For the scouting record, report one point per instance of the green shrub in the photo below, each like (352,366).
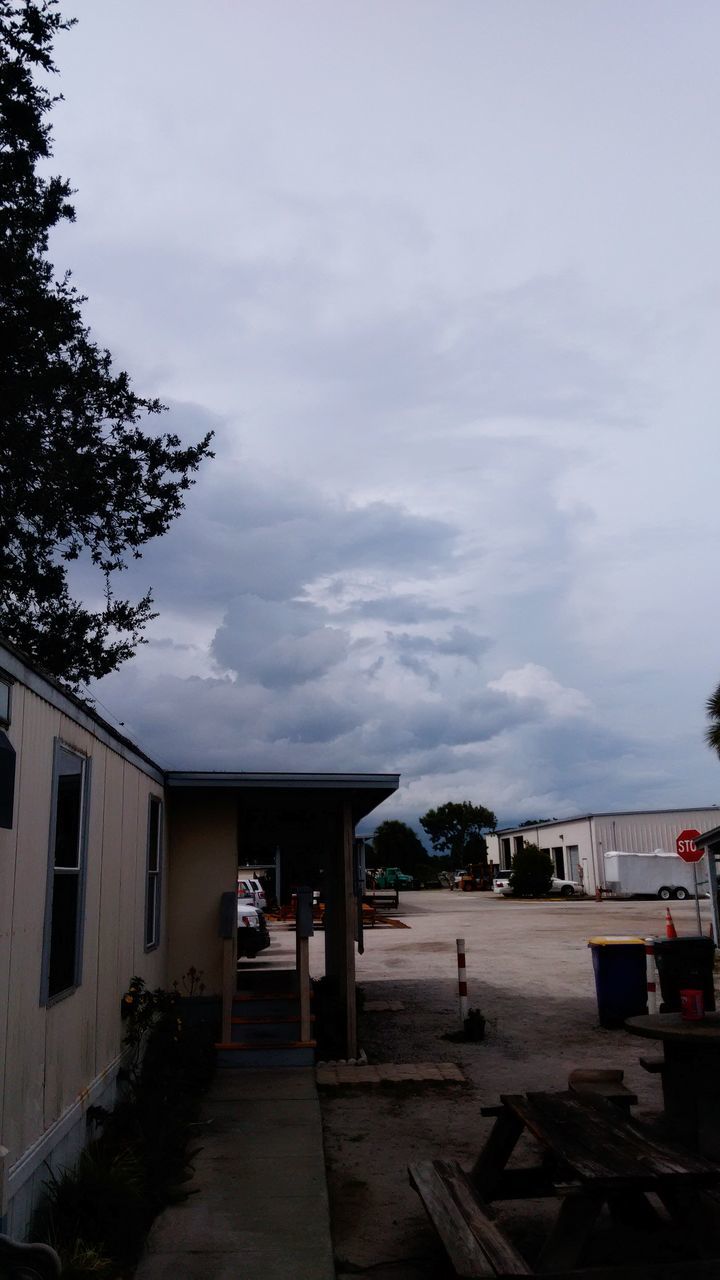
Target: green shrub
(531,873)
(98,1213)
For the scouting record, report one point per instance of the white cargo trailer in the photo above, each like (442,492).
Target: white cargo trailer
(661,874)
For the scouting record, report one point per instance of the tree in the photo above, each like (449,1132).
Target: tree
(712,733)
(80,477)
(536,822)
(457,829)
(531,872)
(395,844)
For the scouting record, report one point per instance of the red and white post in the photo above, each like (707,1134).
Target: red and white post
(651,975)
(462,981)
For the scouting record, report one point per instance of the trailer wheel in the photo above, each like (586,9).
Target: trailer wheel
(665,893)
(681,894)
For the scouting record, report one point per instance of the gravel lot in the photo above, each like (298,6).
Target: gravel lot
(530,972)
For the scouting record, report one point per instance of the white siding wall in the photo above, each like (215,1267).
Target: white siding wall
(642,833)
(54,1061)
(631,832)
(560,835)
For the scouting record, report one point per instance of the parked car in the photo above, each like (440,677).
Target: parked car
(253,935)
(565,888)
(251,890)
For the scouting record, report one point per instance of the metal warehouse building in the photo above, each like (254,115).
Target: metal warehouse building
(578,845)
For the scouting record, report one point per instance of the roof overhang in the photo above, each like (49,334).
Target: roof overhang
(364,791)
(708,838)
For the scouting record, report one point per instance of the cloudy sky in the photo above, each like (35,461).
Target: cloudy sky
(444,279)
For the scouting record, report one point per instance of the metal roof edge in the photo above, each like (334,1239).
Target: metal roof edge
(708,837)
(217,778)
(19,667)
(606,813)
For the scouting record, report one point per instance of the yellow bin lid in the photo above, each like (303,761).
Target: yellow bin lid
(615,939)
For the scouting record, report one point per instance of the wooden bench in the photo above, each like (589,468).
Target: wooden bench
(590,1156)
(473,1241)
(602,1082)
(654,1065)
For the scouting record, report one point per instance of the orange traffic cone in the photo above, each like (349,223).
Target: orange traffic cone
(670,930)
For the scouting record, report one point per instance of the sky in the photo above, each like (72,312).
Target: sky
(444,280)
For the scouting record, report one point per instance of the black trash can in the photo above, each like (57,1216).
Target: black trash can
(685,963)
(620,978)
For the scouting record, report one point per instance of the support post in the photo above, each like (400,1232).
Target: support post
(228,934)
(303,932)
(462,981)
(697,897)
(651,975)
(711,853)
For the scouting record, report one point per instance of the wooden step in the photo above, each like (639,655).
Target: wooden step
(281,1044)
(267,1020)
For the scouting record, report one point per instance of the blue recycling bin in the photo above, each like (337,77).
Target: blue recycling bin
(620,977)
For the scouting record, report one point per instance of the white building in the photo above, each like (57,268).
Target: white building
(578,845)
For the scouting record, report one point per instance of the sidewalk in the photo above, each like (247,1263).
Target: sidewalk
(259,1204)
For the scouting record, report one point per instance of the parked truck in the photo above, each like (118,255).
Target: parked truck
(392,878)
(658,874)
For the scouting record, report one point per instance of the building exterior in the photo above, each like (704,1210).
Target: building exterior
(111,867)
(578,845)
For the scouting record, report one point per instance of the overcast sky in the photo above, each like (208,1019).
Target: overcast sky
(444,278)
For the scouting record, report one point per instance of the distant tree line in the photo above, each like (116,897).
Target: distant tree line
(456,831)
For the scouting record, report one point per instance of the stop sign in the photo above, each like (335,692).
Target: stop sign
(685,846)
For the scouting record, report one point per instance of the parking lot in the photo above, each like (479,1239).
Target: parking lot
(529,970)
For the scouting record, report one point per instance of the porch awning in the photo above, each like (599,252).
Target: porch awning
(365,791)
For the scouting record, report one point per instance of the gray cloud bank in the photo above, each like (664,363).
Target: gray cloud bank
(448,291)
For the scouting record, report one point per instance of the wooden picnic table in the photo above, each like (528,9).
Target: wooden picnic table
(591,1155)
(690,1075)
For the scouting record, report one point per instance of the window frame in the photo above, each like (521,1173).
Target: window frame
(7,682)
(46,997)
(153,875)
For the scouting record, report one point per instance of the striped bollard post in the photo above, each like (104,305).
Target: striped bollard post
(651,975)
(462,981)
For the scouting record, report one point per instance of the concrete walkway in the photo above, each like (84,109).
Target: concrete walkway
(259,1204)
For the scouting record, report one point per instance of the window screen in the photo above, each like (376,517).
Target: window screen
(63,928)
(154,864)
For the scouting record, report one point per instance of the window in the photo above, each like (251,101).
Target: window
(518,842)
(5,702)
(62,952)
(154,864)
(559,860)
(505,852)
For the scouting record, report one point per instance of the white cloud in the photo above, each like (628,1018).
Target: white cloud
(538,684)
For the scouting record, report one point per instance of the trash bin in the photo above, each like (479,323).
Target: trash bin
(682,963)
(620,977)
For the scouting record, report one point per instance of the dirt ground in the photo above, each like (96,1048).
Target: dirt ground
(530,972)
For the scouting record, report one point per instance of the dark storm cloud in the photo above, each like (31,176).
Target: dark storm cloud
(459,642)
(278,643)
(245,533)
(397,609)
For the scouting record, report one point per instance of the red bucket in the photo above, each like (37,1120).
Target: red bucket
(692,1005)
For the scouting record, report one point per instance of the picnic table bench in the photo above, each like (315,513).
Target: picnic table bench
(591,1155)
